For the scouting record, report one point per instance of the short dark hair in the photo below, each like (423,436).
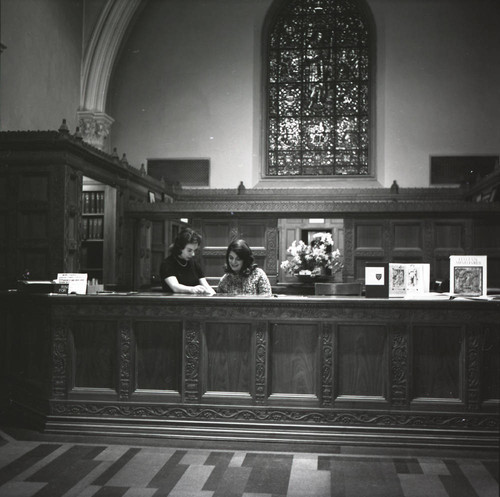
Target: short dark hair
(187,235)
(244,252)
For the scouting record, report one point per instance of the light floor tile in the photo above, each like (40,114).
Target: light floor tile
(111,453)
(237,459)
(194,458)
(140,492)
(256,495)
(433,466)
(422,486)
(89,491)
(480,478)
(189,493)
(307,482)
(305,461)
(193,479)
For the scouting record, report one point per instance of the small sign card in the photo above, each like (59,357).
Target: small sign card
(77,282)
(377,280)
(468,275)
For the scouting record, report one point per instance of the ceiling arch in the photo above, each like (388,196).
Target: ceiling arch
(102,51)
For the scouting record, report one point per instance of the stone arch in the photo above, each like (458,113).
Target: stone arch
(97,66)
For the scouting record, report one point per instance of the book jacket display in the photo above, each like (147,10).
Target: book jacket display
(468,275)
(408,279)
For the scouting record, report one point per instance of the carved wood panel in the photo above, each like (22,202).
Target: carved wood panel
(437,353)
(294,355)
(158,355)
(227,357)
(95,354)
(362,360)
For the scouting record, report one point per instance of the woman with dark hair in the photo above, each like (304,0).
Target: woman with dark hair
(179,272)
(242,276)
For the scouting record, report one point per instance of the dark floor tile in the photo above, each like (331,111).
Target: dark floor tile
(270,473)
(492,467)
(232,483)
(110,492)
(170,473)
(54,469)
(456,483)
(68,477)
(26,461)
(220,461)
(103,478)
(407,466)
(374,478)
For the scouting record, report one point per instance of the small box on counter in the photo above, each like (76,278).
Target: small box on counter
(30,286)
(377,280)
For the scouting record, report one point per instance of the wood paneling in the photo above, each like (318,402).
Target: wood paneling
(437,352)
(369,236)
(294,358)
(158,359)
(490,377)
(227,357)
(362,360)
(95,354)
(299,368)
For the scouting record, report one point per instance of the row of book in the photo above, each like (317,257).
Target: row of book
(93,228)
(93,202)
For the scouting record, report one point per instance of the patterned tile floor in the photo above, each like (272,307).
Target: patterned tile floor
(35,464)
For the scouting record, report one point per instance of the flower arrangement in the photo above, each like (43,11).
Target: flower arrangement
(315,259)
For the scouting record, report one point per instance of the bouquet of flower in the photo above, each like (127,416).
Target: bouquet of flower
(314,259)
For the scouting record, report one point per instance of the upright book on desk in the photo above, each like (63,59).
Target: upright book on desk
(468,275)
(377,280)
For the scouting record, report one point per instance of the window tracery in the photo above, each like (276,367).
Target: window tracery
(318,90)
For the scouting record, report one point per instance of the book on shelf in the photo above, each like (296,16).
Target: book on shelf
(468,275)
(408,279)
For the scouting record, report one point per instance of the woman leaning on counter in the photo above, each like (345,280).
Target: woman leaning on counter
(179,272)
(242,276)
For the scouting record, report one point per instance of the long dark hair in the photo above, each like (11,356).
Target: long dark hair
(187,235)
(244,252)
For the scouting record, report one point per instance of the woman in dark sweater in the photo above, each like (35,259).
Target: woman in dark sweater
(179,272)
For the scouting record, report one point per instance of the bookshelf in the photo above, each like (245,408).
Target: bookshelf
(98,230)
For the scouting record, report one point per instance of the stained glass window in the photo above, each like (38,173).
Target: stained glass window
(318,89)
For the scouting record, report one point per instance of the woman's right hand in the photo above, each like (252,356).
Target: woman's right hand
(198,289)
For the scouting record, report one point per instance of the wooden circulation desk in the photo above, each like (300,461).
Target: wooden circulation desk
(323,370)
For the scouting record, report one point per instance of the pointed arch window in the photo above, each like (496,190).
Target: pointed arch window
(318,90)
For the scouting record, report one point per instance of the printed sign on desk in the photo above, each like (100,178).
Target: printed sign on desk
(77,282)
(377,280)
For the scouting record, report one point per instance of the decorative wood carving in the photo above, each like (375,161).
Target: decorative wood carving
(261,339)
(192,358)
(327,365)
(388,324)
(125,365)
(330,417)
(60,358)
(399,368)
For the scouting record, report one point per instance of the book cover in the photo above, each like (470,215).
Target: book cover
(406,279)
(468,275)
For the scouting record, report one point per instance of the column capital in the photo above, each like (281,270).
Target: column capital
(94,127)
